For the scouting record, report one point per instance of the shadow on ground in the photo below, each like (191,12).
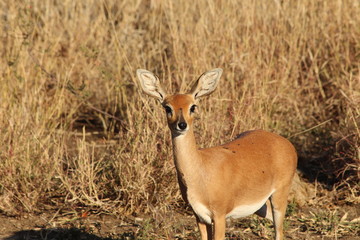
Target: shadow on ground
(64,234)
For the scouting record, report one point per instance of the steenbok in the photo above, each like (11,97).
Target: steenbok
(251,174)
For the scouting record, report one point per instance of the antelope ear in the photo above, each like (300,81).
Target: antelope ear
(206,83)
(150,84)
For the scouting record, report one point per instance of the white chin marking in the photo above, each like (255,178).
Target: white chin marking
(177,132)
(180,131)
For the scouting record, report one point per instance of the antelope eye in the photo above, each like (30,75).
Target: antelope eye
(168,110)
(193,108)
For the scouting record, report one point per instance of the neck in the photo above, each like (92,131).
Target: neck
(186,154)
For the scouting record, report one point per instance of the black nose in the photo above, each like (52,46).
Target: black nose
(182,125)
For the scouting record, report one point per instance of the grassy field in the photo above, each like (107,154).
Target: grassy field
(77,137)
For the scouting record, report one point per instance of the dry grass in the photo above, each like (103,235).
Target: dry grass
(76,132)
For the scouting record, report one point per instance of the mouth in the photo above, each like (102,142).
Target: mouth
(181,131)
(177,131)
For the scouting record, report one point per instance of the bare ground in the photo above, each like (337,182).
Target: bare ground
(311,222)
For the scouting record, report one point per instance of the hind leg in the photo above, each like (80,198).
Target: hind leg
(278,205)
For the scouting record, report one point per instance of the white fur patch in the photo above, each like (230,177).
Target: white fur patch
(240,211)
(202,212)
(245,210)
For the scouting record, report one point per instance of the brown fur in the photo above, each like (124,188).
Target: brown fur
(237,173)
(242,173)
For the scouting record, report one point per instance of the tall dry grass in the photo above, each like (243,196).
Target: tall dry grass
(76,131)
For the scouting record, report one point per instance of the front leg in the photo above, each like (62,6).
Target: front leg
(219,227)
(205,229)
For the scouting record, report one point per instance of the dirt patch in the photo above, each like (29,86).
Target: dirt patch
(315,222)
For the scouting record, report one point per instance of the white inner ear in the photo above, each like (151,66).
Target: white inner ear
(150,84)
(207,83)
